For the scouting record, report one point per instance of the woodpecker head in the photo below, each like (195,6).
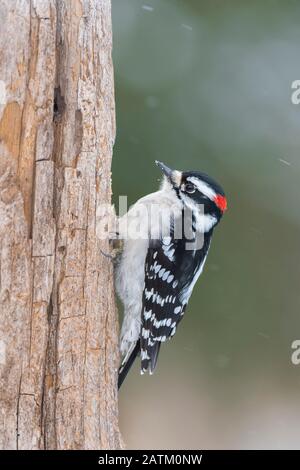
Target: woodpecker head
(194,188)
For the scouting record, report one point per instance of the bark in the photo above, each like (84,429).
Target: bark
(58,323)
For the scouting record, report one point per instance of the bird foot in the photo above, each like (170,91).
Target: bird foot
(116,247)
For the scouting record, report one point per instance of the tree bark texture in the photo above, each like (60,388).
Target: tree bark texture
(58,323)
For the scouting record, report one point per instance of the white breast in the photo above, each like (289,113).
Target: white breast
(136,227)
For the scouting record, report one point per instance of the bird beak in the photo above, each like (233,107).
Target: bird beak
(164,168)
(173,176)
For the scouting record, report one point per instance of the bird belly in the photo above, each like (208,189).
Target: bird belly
(130,278)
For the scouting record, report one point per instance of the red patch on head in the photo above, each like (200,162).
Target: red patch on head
(221,202)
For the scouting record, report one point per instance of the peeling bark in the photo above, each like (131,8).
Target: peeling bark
(58,323)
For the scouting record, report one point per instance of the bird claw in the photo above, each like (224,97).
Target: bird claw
(116,248)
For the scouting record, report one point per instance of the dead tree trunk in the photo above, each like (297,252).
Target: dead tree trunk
(58,324)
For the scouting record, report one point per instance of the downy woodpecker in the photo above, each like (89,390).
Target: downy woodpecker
(166,237)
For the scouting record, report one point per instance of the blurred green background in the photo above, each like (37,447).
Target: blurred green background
(206,85)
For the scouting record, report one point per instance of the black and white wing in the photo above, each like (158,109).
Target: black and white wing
(170,274)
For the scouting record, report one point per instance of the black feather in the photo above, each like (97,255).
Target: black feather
(124,369)
(166,295)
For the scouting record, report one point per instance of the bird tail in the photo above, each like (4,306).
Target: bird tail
(149,362)
(127,363)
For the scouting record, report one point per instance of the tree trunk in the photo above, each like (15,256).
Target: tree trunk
(58,323)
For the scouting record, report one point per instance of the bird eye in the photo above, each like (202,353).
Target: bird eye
(189,188)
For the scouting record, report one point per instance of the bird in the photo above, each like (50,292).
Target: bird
(166,237)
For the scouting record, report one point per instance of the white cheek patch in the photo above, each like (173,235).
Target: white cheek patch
(203,187)
(204,222)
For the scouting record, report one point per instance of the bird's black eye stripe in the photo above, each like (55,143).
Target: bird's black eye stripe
(189,188)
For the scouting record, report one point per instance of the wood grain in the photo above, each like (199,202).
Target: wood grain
(58,322)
